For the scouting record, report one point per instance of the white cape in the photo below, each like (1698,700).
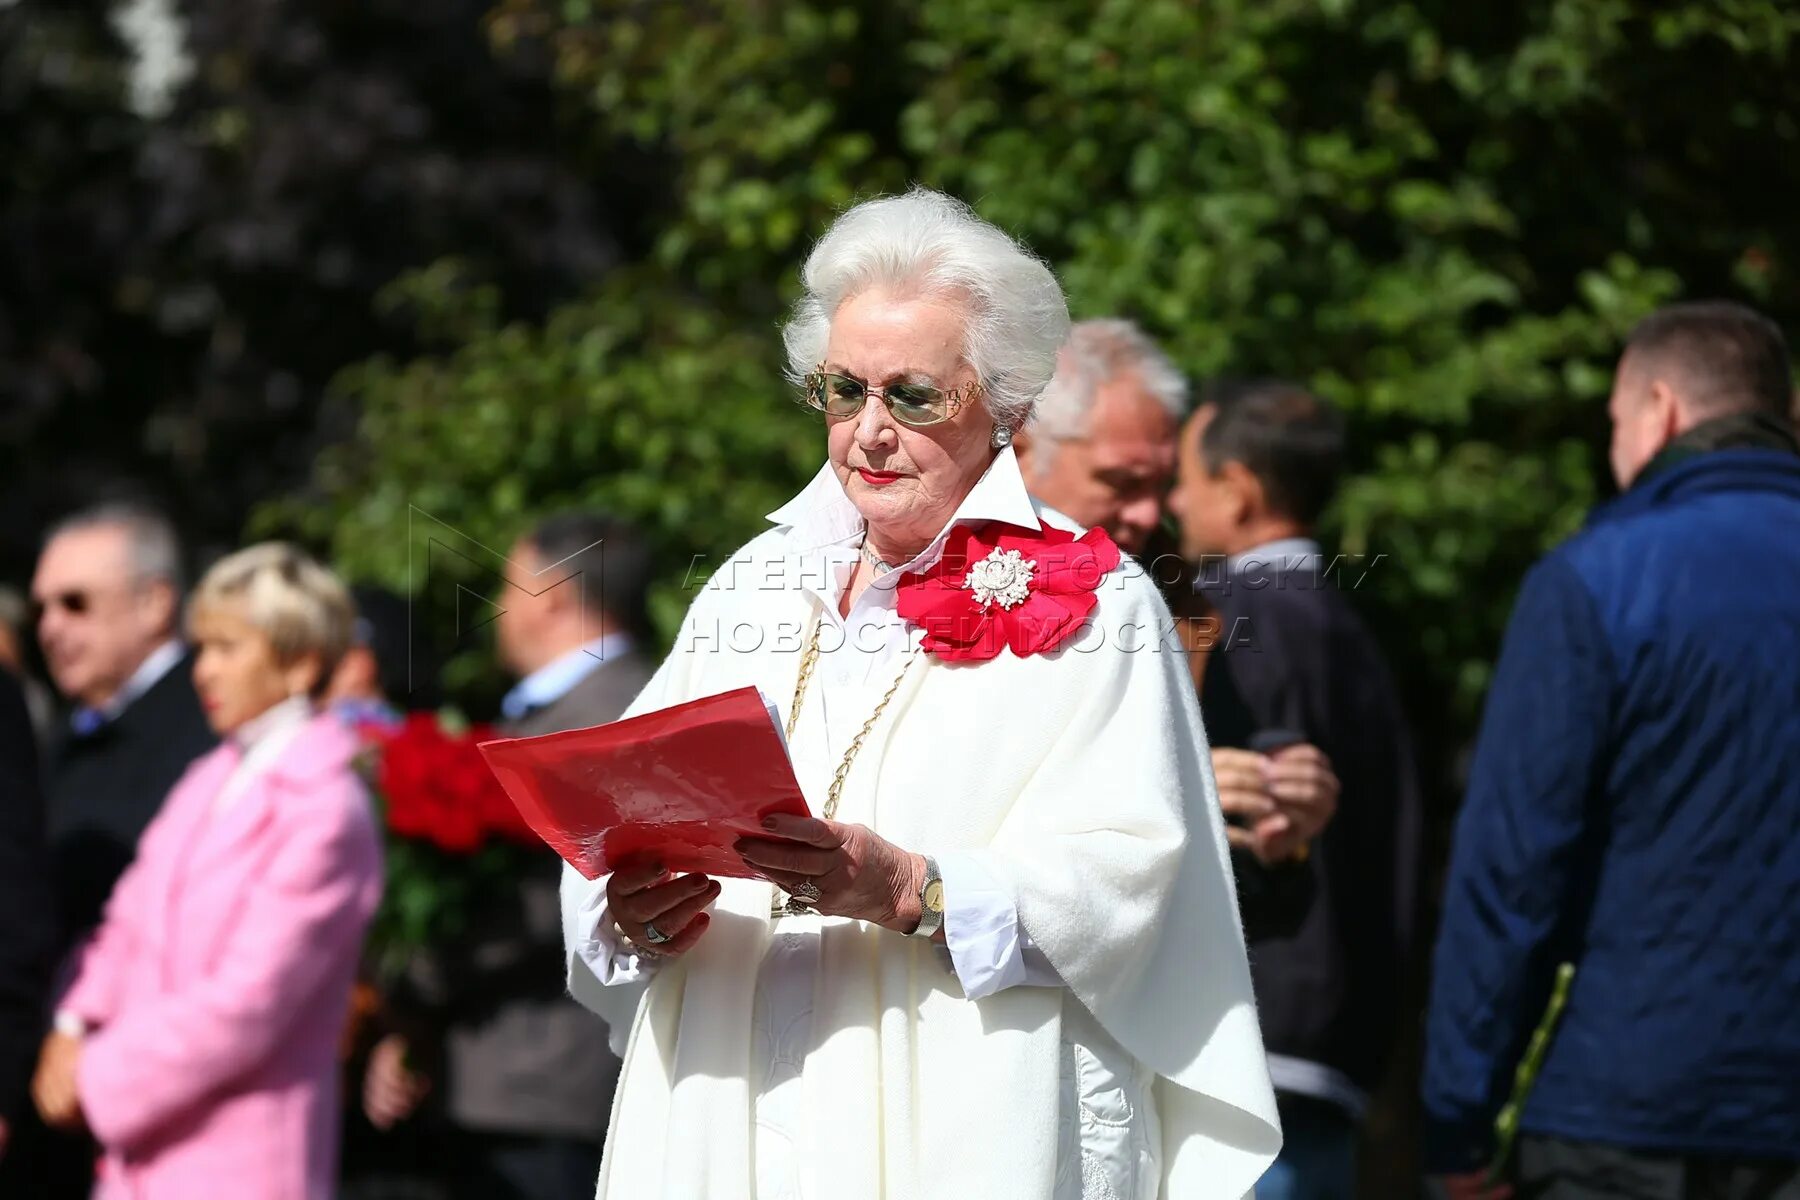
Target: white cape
(1084,777)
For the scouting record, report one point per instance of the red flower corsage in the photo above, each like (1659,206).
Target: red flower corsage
(1007,586)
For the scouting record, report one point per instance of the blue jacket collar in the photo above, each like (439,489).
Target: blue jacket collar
(1747,470)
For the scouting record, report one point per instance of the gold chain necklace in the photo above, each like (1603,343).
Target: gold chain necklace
(808,661)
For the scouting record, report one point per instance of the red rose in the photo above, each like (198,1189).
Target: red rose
(499,814)
(418,779)
(438,788)
(476,787)
(1008,587)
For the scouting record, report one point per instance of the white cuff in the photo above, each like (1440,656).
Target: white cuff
(606,954)
(69,1024)
(989,949)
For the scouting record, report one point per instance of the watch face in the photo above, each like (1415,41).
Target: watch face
(934,896)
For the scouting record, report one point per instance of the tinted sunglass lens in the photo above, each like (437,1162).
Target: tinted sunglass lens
(73,603)
(843,396)
(916,407)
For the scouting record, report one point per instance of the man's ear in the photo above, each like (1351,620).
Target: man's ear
(162,605)
(1671,413)
(1243,493)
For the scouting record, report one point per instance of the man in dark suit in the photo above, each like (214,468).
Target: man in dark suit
(25,930)
(1102,451)
(1258,464)
(527,1078)
(108,592)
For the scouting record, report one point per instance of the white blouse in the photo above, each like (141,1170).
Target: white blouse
(260,741)
(1108,1136)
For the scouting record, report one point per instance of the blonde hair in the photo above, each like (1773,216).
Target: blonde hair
(284,593)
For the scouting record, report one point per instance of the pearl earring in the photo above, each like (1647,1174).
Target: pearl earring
(1002,437)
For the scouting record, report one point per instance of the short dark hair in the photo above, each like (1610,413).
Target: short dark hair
(1735,357)
(407,672)
(613,561)
(1292,441)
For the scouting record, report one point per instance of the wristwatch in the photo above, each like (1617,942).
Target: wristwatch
(931,901)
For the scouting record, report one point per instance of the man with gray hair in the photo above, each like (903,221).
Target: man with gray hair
(107,596)
(1102,451)
(107,600)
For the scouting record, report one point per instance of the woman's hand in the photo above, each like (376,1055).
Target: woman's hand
(640,894)
(53,1088)
(858,874)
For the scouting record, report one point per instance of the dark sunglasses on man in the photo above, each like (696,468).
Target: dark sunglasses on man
(76,603)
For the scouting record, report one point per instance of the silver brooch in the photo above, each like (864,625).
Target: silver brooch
(1003,578)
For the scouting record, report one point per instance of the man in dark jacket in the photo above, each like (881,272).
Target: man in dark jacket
(108,590)
(526,1075)
(1101,451)
(25,926)
(1634,809)
(1258,463)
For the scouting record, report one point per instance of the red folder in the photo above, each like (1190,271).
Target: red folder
(682,784)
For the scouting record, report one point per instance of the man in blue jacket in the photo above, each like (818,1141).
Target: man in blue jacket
(1634,810)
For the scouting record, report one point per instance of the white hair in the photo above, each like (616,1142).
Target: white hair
(154,546)
(927,241)
(1098,352)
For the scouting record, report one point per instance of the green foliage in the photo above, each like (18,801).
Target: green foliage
(638,400)
(177,286)
(1442,216)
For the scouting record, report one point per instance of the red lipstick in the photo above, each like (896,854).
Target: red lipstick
(878,478)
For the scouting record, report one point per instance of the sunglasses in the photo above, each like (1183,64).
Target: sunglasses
(75,603)
(840,397)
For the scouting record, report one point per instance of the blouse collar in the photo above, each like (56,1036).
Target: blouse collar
(281,718)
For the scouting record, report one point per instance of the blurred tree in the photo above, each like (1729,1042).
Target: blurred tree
(640,400)
(201,198)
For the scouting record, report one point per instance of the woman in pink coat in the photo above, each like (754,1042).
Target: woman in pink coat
(199,1039)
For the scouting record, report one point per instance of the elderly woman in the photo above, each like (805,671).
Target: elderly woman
(199,1039)
(1004,958)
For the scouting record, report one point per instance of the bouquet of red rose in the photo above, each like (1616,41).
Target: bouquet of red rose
(451,832)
